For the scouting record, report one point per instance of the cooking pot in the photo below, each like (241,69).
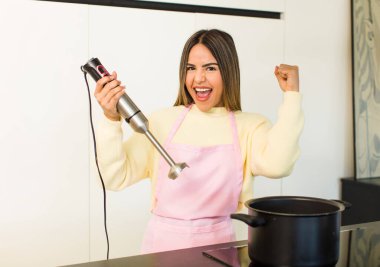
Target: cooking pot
(293,230)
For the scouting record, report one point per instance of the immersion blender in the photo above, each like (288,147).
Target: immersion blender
(133,116)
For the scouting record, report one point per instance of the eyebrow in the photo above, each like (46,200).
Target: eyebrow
(205,65)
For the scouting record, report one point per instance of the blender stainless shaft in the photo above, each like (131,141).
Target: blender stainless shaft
(175,168)
(140,124)
(132,115)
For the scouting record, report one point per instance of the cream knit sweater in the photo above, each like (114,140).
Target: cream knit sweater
(266,150)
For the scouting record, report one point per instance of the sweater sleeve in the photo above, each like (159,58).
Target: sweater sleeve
(275,148)
(121,163)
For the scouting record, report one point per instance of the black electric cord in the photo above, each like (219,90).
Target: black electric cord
(97,165)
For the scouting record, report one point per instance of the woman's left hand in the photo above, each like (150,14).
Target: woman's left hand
(287,77)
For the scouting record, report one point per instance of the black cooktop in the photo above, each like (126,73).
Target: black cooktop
(359,247)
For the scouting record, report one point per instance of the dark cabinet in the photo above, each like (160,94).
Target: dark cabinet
(364,195)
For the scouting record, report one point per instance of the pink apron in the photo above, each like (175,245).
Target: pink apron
(194,209)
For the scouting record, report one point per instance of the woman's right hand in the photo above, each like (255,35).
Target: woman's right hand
(108,92)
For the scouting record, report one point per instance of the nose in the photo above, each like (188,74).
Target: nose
(200,76)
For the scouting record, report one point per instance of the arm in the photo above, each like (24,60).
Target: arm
(122,163)
(275,149)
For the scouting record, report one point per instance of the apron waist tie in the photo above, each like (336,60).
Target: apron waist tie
(202,225)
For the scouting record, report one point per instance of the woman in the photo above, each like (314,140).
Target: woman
(223,146)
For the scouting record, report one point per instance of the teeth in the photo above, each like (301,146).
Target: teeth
(202,89)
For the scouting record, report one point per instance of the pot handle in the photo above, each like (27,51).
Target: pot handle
(346,204)
(254,221)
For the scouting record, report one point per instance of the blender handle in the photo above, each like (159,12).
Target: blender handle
(133,116)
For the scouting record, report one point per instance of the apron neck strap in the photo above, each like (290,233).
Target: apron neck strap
(178,123)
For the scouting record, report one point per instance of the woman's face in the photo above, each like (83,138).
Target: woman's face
(203,78)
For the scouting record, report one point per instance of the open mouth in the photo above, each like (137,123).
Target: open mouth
(203,93)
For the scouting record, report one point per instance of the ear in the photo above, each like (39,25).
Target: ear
(369,35)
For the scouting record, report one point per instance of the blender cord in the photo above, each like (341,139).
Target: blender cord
(97,165)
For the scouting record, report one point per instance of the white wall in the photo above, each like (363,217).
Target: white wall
(44,180)
(317,38)
(50,198)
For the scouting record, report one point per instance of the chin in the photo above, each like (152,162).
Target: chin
(203,108)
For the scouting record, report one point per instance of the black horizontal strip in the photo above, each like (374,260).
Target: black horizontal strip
(177,7)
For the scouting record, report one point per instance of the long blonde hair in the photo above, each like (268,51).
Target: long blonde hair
(222,47)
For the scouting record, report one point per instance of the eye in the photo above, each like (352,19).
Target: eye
(211,68)
(189,68)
